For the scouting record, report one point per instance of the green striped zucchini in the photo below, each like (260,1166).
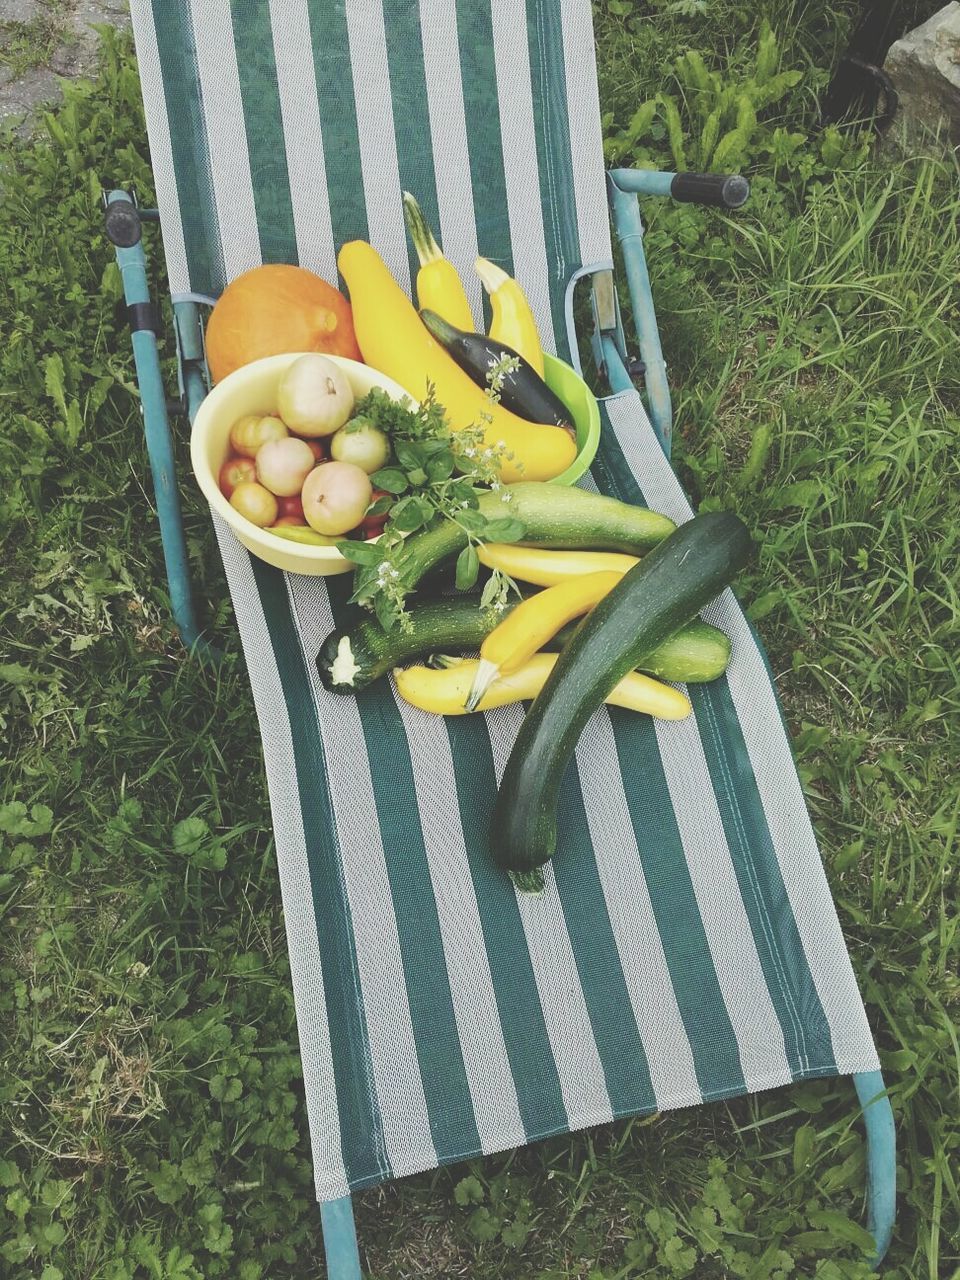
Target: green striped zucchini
(553,516)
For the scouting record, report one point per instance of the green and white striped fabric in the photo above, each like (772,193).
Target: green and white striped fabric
(686,947)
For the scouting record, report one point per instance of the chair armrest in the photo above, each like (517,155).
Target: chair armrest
(726,190)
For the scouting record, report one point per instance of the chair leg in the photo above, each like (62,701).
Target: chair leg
(340,1239)
(881,1159)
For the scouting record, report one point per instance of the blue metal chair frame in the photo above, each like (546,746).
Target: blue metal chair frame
(609,346)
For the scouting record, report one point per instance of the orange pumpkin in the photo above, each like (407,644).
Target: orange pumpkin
(274,309)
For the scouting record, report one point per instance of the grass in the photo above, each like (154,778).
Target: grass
(153,1123)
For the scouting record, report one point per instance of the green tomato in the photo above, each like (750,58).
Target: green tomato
(361,443)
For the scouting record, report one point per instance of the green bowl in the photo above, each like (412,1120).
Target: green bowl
(582,403)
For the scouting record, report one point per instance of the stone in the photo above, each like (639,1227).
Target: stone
(925,69)
(110,13)
(74,51)
(20,10)
(26,93)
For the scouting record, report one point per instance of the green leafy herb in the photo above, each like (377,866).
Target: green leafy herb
(435,474)
(392,479)
(496,591)
(360,422)
(468,566)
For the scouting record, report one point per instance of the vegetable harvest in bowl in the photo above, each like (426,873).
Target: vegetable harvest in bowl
(282,494)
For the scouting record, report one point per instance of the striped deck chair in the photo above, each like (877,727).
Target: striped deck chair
(686,947)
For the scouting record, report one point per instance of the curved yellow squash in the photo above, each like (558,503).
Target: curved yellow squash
(445,692)
(533,623)
(546,568)
(394,340)
(512,321)
(536,620)
(440,289)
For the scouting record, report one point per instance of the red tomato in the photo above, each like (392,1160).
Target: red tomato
(292,507)
(236,471)
(319,449)
(372,526)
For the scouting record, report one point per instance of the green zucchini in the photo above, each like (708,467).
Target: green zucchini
(522,390)
(695,654)
(652,601)
(553,515)
(352,658)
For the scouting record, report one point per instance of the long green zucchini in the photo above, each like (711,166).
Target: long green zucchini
(352,658)
(655,598)
(553,516)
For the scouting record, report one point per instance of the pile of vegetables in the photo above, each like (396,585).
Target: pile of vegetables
(646,606)
(394,339)
(586,600)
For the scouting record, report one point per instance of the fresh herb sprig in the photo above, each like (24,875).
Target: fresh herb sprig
(435,474)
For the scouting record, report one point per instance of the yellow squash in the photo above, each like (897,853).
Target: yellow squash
(439,288)
(394,340)
(547,568)
(444,692)
(512,322)
(533,623)
(302,533)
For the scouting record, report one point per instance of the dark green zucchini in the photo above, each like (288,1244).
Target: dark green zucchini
(522,390)
(352,658)
(553,515)
(652,601)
